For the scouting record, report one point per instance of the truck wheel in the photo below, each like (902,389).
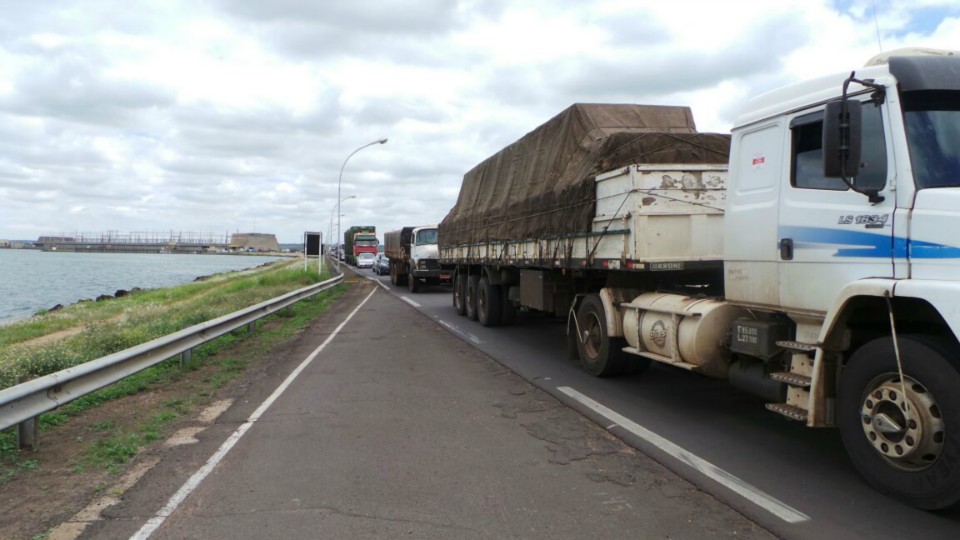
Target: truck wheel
(473,283)
(413,283)
(508,311)
(905,444)
(598,356)
(488,303)
(460,293)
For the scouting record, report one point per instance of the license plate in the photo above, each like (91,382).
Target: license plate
(444,276)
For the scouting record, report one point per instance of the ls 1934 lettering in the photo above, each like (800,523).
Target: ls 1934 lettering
(869,221)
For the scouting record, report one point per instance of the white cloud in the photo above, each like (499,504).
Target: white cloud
(238,115)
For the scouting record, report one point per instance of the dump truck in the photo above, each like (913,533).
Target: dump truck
(359,239)
(810,257)
(413,257)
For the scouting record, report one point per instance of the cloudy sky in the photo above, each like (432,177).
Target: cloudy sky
(219,116)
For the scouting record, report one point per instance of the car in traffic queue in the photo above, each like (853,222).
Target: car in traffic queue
(381,265)
(365,260)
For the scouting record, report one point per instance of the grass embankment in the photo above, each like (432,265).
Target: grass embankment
(88,330)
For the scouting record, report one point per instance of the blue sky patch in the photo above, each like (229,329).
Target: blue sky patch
(922,20)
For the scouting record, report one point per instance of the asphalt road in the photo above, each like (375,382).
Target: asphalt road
(380,423)
(804,470)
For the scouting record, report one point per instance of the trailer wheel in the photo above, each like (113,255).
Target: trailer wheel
(905,444)
(598,356)
(460,293)
(488,303)
(473,283)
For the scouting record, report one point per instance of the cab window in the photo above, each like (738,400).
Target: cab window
(807,154)
(426,236)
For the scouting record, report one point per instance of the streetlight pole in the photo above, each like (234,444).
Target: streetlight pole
(334,207)
(340,182)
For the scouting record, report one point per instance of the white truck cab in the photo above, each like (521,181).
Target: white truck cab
(865,263)
(413,255)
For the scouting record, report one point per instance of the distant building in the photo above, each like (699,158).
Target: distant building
(254,242)
(5,243)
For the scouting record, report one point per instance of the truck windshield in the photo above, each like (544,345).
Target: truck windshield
(366,243)
(932,121)
(426,236)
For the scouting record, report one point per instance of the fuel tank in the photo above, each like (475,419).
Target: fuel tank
(683,329)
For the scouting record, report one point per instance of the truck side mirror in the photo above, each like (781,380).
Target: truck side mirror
(841,139)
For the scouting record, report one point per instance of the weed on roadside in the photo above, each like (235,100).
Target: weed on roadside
(109,450)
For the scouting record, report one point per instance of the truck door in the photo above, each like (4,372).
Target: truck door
(830,235)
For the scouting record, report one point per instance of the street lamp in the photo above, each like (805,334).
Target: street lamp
(334,207)
(340,181)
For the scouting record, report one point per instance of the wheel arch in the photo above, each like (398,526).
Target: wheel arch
(860,315)
(612,298)
(863,314)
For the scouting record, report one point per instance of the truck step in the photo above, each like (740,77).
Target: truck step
(793,379)
(808,348)
(790,411)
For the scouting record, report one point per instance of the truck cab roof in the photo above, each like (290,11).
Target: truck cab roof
(909,72)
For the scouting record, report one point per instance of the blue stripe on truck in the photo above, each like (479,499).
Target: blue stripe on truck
(865,244)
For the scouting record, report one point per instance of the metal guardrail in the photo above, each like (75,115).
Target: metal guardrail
(24,403)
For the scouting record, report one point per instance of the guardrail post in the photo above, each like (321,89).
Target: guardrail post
(185,358)
(27,437)
(251,327)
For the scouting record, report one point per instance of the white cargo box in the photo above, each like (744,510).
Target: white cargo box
(661,213)
(648,217)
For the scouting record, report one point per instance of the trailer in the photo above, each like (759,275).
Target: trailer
(808,258)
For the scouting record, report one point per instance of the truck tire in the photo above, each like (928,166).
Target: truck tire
(911,457)
(488,303)
(473,283)
(600,355)
(460,294)
(413,283)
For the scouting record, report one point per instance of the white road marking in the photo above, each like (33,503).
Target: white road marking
(378,282)
(456,330)
(194,481)
(738,486)
(409,301)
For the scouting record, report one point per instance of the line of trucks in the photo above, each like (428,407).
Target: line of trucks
(810,257)
(412,252)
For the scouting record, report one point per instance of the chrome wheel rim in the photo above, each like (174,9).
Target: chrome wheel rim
(906,428)
(592,337)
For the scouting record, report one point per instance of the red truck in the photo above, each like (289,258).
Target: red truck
(360,239)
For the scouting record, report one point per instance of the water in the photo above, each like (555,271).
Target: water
(32,280)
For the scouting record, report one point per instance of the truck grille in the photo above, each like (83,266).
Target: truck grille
(428,264)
